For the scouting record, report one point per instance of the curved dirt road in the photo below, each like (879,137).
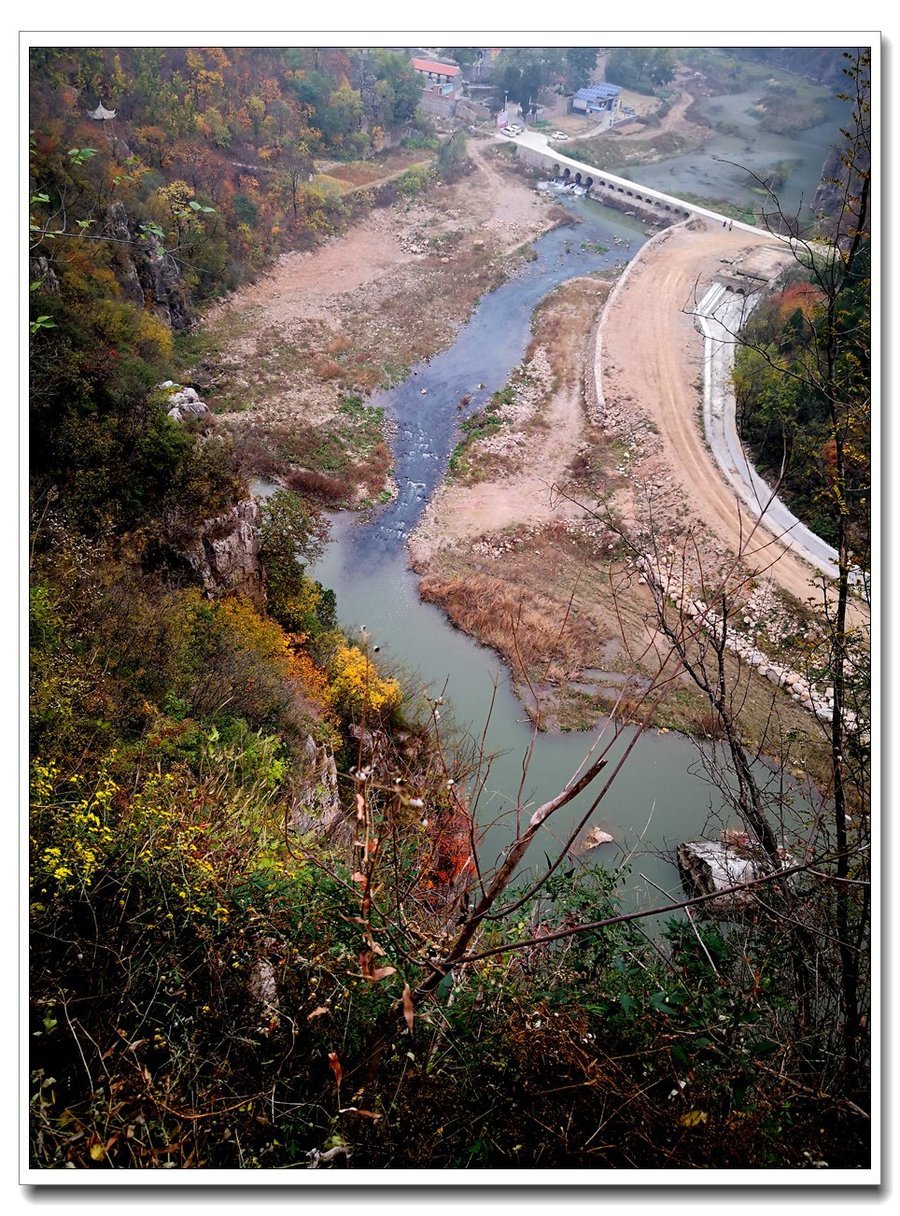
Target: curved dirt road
(650,359)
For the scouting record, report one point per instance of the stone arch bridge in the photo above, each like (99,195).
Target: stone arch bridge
(532,149)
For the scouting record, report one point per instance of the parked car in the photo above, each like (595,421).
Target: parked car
(510,131)
(559,136)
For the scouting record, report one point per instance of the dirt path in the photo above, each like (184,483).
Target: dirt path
(651,365)
(670,121)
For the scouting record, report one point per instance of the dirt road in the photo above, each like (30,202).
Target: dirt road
(650,363)
(672,120)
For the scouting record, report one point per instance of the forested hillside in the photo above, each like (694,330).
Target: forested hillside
(785,418)
(261,936)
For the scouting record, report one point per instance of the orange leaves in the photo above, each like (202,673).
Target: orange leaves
(313,680)
(800,294)
(409,1012)
(335,1065)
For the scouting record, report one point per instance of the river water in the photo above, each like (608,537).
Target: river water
(661,795)
(720,169)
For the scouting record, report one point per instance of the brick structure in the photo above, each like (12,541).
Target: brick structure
(445,79)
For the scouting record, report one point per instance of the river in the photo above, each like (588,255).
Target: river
(660,796)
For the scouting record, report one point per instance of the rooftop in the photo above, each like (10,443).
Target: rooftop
(598,92)
(431,65)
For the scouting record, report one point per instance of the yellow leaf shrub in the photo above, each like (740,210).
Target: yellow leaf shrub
(356,684)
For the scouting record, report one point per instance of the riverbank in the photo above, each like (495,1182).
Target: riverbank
(523,545)
(645,140)
(330,326)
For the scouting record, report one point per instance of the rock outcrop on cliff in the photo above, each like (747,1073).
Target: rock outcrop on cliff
(220,554)
(146,272)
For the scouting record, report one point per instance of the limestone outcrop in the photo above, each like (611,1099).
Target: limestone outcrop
(222,553)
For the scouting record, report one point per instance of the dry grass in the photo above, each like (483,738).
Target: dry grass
(529,629)
(520,602)
(364,172)
(313,484)
(562,325)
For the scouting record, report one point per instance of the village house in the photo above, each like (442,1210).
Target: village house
(597,99)
(444,79)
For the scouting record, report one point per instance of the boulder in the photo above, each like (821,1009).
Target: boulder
(185,404)
(708,866)
(592,838)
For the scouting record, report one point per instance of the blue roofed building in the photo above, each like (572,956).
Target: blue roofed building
(597,99)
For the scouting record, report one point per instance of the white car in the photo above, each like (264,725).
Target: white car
(510,131)
(559,136)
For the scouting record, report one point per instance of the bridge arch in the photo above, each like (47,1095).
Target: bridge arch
(589,177)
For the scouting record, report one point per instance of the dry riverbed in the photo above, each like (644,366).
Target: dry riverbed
(293,357)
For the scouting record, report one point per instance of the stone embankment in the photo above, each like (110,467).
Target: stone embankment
(817,701)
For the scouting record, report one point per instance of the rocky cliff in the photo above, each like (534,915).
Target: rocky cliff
(222,553)
(147,273)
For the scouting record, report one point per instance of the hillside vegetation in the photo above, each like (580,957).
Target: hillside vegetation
(261,933)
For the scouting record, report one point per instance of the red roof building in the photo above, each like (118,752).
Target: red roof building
(432,68)
(443,78)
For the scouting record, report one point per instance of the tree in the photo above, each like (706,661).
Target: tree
(297,165)
(640,68)
(398,88)
(344,113)
(293,534)
(465,56)
(837,370)
(831,367)
(521,73)
(580,63)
